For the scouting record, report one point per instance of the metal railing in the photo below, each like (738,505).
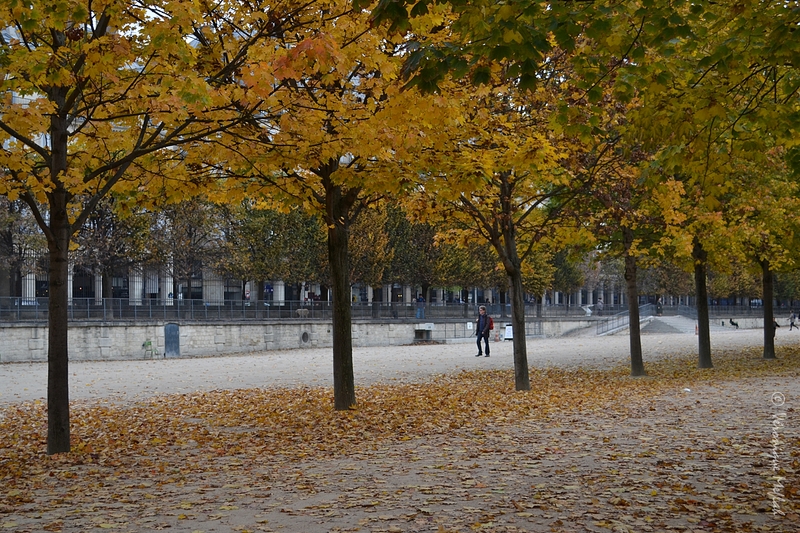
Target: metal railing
(125,309)
(622,319)
(688,312)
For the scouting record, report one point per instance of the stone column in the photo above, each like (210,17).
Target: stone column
(98,289)
(278,292)
(135,285)
(166,286)
(29,289)
(213,288)
(70,270)
(488,295)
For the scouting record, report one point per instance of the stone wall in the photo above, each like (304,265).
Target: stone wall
(120,341)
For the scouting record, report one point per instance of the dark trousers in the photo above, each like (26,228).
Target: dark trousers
(485,338)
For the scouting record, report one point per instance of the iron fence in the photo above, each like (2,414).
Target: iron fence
(125,309)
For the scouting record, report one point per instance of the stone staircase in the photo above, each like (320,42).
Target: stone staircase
(676,324)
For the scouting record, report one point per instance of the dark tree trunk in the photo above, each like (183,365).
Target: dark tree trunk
(5,281)
(521,377)
(338,207)
(260,294)
(637,362)
(6,259)
(58,431)
(108,286)
(512,265)
(58,234)
(769,315)
(503,300)
(377,298)
(700,257)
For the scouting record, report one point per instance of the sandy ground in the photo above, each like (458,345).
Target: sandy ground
(134,380)
(686,460)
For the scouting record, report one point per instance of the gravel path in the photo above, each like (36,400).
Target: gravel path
(132,380)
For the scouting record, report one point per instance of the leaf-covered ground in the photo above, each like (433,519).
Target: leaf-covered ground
(585,450)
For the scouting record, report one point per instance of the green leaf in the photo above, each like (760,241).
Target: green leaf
(481,75)
(421,8)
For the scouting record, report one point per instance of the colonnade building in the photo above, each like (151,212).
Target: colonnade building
(139,285)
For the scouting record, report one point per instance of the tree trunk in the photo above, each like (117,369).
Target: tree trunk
(377,298)
(637,362)
(501,298)
(703,327)
(108,286)
(58,232)
(58,430)
(5,280)
(260,293)
(6,260)
(343,380)
(521,378)
(769,315)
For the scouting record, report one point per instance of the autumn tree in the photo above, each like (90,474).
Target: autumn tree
(764,219)
(739,279)
(787,287)
(500,176)
(567,277)
(719,101)
(266,244)
(665,277)
(111,241)
(21,243)
(186,238)
(632,216)
(331,150)
(713,79)
(94,96)
(415,251)
(370,248)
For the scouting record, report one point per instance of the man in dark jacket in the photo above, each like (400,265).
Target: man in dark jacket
(482,327)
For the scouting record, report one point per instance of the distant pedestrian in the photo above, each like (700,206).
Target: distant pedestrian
(792,318)
(775,327)
(483,326)
(420,306)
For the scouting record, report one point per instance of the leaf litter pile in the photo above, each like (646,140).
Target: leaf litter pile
(585,450)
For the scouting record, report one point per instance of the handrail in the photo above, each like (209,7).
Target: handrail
(620,320)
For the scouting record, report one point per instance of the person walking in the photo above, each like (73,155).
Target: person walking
(483,327)
(792,318)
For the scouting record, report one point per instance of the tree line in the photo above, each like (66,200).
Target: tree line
(642,132)
(243,243)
